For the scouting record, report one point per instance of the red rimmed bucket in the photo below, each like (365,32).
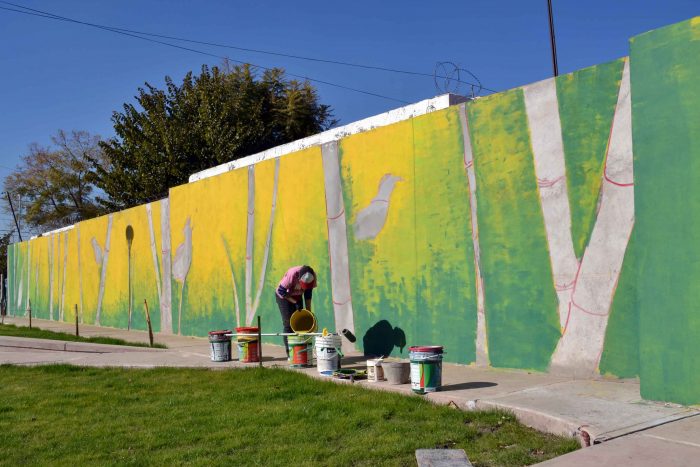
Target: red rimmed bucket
(248,346)
(426,368)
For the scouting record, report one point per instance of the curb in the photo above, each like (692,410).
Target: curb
(69,346)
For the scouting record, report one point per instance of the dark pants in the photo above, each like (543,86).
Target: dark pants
(287,308)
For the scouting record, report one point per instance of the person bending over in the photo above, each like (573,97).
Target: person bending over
(293,292)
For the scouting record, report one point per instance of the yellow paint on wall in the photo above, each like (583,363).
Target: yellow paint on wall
(385,278)
(300,233)
(264,185)
(115,306)
(90,268)
(72,289)
(216,208)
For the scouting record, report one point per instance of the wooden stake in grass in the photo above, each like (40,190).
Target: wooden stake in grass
(29,310)
(148,321)
(77,332)
(260,342)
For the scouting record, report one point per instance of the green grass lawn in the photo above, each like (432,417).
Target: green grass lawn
(89,416)
(36,333)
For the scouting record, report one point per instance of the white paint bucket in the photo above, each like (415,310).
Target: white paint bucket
(219,346)
(327,357)
(375,372)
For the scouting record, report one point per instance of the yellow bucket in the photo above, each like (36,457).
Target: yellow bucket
(303,321)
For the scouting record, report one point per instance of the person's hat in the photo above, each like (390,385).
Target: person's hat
(306,280)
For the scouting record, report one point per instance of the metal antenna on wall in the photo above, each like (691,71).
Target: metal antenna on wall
(448,79)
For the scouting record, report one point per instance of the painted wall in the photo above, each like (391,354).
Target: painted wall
(501,228)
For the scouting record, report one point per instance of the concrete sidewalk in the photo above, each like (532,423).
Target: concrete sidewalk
(607,411)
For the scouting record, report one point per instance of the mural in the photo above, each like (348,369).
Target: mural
(498,228)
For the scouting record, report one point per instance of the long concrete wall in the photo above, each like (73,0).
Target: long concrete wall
(501,228)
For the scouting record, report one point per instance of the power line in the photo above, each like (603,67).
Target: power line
(247,49)
(42,14)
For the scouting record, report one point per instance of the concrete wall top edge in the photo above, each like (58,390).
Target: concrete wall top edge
(387,118)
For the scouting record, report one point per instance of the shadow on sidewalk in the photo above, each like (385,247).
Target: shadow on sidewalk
(470,385)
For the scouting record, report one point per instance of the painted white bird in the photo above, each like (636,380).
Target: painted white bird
(370,221)
(181,266)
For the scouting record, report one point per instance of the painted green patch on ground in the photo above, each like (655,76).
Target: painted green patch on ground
(36,333)
(79,416)
(446,291)
(521,306)
(587,100)
(666,116)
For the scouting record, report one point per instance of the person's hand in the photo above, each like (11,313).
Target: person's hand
(291,300)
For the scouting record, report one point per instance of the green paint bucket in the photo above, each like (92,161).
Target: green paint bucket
(426,368)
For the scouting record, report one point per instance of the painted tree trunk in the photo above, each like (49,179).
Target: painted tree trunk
(482,354)
(581,344)
(250,237)
(337,242)
(166,316)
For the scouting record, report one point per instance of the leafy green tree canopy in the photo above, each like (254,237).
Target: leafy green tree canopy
(56,182)
(218,116)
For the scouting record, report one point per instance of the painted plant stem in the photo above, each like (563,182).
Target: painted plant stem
(63,282)
(181,267)
(250,238)
(166,316)
(103,271)
(51,274)
(236,306)
(80,270)
(154,249)
(482,353)
(266,254)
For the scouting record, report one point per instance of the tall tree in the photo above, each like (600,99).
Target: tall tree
(218,116)
(56,182)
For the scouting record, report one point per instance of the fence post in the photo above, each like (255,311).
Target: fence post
(148,321)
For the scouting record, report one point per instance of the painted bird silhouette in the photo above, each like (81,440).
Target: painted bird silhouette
(370,221)
(181,266)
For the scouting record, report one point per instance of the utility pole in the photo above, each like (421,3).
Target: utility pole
(9,200)
(552,39)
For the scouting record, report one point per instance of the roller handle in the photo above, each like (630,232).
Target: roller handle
(348,335)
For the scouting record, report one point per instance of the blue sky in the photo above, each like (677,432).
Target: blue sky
(57,75)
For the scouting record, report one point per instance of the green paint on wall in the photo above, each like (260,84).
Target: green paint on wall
(666,116)
(587,100)
(446,290)
(382,266)
(621,353)
(520,302)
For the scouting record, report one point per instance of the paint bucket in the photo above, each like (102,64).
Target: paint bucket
(219,346)
(375,372)
(303,321)
(248,346)
(396,371)
(300,348)
(327,356)
(426,368)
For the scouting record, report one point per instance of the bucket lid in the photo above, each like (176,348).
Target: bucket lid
(219,333)
(426,348)
(247,330)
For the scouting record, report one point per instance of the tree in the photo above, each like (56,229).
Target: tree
(56,182)
(218,116)
(4,241)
